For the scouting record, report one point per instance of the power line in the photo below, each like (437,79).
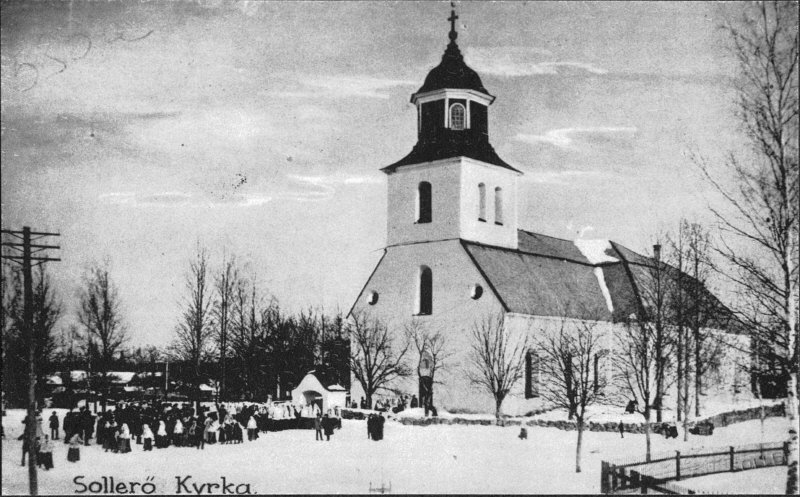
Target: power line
(26,249)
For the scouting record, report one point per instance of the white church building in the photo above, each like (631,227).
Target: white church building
(455,252)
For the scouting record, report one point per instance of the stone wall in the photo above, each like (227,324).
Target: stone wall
(719,421)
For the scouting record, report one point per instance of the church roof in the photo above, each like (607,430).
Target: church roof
(549,276)
(452,144)
(452,72)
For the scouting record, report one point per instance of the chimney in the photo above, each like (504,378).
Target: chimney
(657,252)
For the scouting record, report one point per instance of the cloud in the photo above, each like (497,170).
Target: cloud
(176,198)
(343,87)
(566,137)
(550,177)
(324,187)
(523,61)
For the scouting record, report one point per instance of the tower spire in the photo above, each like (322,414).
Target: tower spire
(453,17)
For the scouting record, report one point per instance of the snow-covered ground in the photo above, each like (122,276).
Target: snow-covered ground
(711,407)
(754,481)
(413,459)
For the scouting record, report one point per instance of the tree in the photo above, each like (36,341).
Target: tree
(431,342)
(569,362)
(635,358)
(763,202)
(46,313)
(225,282)
(497,358)
(375,358)
(100,314)
(193,333)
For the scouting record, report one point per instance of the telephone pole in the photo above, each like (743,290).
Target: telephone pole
(26,255)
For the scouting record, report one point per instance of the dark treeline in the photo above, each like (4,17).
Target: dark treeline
(266,351)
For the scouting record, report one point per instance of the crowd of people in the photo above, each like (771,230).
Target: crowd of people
(161,425)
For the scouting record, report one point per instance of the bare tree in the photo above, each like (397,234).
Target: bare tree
(763,203)
(194,331)
(434,343)
(375,358)
(570,366)
(635,375)
(100,314)
(497,358)
(225,282)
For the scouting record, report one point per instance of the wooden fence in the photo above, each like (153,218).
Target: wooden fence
(659,474)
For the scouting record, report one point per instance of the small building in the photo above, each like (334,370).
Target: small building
(312,391)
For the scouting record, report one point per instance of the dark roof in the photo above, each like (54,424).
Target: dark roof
(541,286)
(453,73)
(548,276)
(462,143)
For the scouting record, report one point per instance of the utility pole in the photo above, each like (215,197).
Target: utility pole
(28,251)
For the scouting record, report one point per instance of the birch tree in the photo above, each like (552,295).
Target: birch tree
(762,196)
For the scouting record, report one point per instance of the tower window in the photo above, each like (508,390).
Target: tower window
(424,203)
(498,206)
(425,293)
(481,202)
(457,116)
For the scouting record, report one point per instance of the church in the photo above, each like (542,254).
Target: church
(455,252)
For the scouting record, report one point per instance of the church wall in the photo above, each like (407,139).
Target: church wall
(454,312)
(474,173)
(402,198)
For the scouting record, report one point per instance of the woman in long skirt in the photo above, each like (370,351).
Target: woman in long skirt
(46,453)
(74,452)
(147,438)
(161,435)
(125,439)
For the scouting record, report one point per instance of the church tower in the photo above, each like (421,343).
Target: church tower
(453,184)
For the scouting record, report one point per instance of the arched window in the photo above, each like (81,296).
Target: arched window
(531,374)
(481,202)
(424,203)
(425,293)
(498,205)
(457,116)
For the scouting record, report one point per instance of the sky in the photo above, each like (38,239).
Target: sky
(257,129)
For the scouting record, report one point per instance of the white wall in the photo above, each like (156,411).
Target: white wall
(474,173)
(444,177)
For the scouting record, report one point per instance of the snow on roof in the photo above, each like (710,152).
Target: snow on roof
(77,375)
(54,380)
(596,250)
(336,388)
(121,376)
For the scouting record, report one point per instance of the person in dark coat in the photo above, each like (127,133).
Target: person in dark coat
(328,425)
(54,426)
(88,426)
(379,421)
(621,429)
(318,426)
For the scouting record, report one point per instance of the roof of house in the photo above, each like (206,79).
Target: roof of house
(584,279)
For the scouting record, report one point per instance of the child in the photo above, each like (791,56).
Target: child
(74,452)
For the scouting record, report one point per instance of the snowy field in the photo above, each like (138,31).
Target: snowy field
(755,481)
(412,459)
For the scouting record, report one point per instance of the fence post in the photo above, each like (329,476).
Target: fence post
(731,457)
(678,465)
(603,477)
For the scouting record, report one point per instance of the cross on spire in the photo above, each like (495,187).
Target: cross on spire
(452,19)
